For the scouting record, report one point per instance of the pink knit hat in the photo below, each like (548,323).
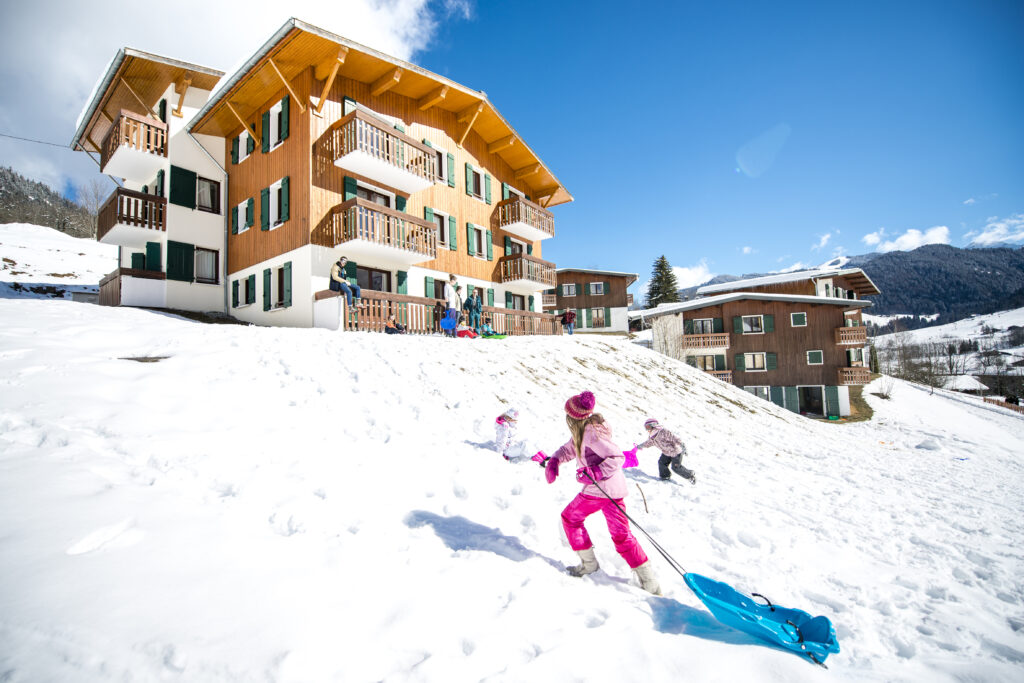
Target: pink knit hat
(580,407)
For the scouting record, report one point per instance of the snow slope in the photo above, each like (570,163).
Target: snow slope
(968,328)
(299,505)
(34,256)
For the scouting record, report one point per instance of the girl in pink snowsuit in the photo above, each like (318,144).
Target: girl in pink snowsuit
(599,468)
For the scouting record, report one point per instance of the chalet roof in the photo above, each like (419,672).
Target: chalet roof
(297,46)
(135,81)
(862,284)
(632,277)
(704,302)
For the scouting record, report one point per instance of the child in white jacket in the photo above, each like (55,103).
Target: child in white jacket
(504,430)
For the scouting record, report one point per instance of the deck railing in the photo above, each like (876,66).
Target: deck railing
(359,219)
(549,300)
(520,210)
(724,375)
(138,132)
(854,376)
(128,207)
(715,340)
(357,131)
(420,315)
(1004,404)
(526,267)
(852,335)
(110,285)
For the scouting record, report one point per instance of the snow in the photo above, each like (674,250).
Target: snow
(968,328)
(302,505)
(37,256)
(964,383)
(777,279)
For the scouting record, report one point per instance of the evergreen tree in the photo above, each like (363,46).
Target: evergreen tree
(873,360)
(663,289)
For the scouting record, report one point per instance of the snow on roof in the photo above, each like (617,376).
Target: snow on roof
(779,279)
(597,272)
(964,383)
(703,302)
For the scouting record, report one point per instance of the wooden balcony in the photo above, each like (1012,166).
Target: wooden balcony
(130,219)
(852,335)
(525,219)
(629,299)
(525,274)
(724,375)
(718,340)
(370,147)
(853,376)
(550,300)
(133,287)
(383,236)
(135,147)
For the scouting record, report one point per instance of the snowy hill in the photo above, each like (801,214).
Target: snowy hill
(37,262)
(299,505)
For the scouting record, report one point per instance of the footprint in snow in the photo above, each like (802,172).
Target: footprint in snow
(118,535)
(460,492)
(285,526)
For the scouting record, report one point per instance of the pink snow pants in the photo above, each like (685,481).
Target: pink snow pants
(582,507)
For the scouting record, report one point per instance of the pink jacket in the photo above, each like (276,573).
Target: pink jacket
(600,451)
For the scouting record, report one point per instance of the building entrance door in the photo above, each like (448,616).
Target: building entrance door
(812,401)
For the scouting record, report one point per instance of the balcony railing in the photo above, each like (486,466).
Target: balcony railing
(369,146)
(853,376)
(527,270)
(718,340)
(136,144)
(852,335)
(550,300)
(724,375)
(381,231)
(526,219)
(130,218)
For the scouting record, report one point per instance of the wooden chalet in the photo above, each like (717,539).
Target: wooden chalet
(598,297)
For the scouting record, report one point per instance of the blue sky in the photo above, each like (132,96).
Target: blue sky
(733,137)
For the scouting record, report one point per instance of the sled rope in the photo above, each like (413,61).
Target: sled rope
(646,509)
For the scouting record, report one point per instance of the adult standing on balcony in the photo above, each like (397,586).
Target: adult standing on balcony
(453,300)
(473,308)
(340,284)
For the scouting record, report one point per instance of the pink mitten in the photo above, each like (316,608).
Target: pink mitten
(551,470)
(631,459)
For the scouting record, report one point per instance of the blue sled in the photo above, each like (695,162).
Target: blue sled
(792,629)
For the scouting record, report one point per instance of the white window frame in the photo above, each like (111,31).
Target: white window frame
(710,321)
(242,227)
(593,318)
(764,361)
(243,285)
(379,190)
(565,290)
(275,289)
(514,191)
(754,388)
(442,164)
(275,126)
(216,266)
(443,228)
(808,354)
(275,191)
(743,323)
(483,191)
(243,137)
(480,242)
(792,322)
(855,350)
(594,286)
(704,355)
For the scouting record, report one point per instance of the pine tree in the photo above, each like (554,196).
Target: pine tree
(663,289)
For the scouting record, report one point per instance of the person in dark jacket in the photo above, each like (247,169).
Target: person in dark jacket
(473,308)
(569,321)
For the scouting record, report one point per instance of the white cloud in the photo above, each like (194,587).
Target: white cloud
(873,238)
(694,275)
(823,240)
(52,52)
(796,266)
(748,250)
(970,201)
(911,239)
(999,230)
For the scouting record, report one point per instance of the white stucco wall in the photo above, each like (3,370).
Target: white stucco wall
(300,313)
(137,291)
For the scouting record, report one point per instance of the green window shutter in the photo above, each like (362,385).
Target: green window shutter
(265,208)
(832,401)
(400,203)
(285,102)
(162,110)
(250,212)
(560,290)
(529,249)
(504,191)
(180,261)
(530,300)
(490,247)
(508,299)
(451,170)
(469,291)
(508,245)
(590,318)
(428,214)
(792,399)
(769,323)
(771,361)
(266,289)
(138,261)
(402,280)
(145,189)
(490,297)
(348,105)
(234,294)
(153,256)
(453,239)
(487,188)
(234,150)
(183,187)
(737,362)
(469,240)
(250,142)
(720,362)
(265,132)
(606,287)
(428,287)
(352,273)
(350,188)
(160,183)
(285,210)
(469,179)
(737,324)
(716,326)
(607,316)
(250,296)
(776,395)
(687,327)
(287,283)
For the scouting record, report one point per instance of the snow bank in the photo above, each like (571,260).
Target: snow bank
(53,263)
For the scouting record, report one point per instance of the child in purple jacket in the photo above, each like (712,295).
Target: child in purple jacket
(599,469)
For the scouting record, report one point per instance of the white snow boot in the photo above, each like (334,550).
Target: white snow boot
(589,565)
(645,575)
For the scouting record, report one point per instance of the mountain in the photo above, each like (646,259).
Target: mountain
(28,201)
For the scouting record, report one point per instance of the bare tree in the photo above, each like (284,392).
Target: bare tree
(91,196)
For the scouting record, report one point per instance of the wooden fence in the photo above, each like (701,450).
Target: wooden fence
(138,132)
(1004,404)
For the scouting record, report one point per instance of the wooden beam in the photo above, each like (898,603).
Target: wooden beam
(501,144)
(88,138)
(433,97)
(469,115)
(288,86)
(106,116)
(548,193)
(327,86)
(145,107)
(182,86)
(331,65)
(386,82)
(527,171)
(250,131)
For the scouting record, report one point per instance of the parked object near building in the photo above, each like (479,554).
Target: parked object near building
(319,147)
(598,297)
(795,339)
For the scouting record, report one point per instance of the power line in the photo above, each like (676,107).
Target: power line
(38,142)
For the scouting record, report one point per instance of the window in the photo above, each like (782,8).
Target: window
(474,182)
(855,358)
(753,324)
(244,215)
(516,247)
(569,290)
(517,301)
(278,202)
(480,248)
(828,289)
(279,298)
(206,266)
(207,195)
(798,319)
(704,326)
(760,392)
(815,358)
(249,290)
(753,362)
(706,363)
(278,282)
(244,144)
(442,165)
(597,317)
(441,221)
(278,124)
(596,288)
(375,195)
(374,279)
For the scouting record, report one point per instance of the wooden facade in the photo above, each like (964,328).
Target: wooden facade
(615,285)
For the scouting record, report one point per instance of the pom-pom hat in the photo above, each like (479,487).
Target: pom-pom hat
(651,423)
(581,406)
